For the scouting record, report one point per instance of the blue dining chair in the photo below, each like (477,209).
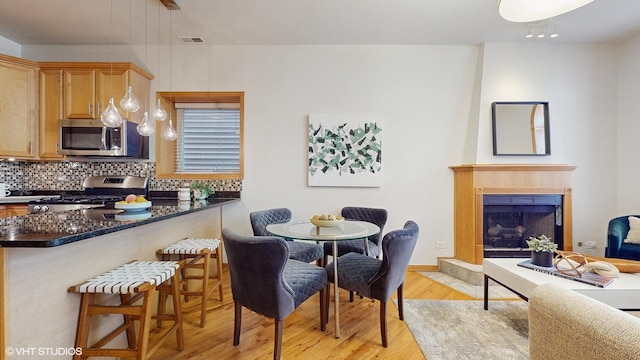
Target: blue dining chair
(302,251)
(378,279)
(372,215)
(264,279)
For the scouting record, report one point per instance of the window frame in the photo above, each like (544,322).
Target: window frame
(166,150)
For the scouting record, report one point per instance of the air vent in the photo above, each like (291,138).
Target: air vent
(192,39)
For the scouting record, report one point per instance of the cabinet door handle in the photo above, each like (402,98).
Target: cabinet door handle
(99,108)
(91,113)
(30,147)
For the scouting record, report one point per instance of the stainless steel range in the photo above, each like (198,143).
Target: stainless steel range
(99,191)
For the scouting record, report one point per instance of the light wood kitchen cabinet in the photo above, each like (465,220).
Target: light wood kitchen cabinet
(80,90)
(50,113)
(87,88)
(18,107)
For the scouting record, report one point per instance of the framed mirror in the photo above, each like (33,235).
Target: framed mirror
(521,128)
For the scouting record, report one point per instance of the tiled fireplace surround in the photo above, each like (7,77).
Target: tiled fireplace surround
(59,176)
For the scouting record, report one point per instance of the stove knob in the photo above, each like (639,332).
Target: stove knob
(36,208)
(44,208)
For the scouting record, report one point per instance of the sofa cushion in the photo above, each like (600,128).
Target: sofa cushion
(633,236)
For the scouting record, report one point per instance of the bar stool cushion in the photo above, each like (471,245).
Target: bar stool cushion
(191,246)
(127,278)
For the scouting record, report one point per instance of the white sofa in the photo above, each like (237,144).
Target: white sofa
(564,324)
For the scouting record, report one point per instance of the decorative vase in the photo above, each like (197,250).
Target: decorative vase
(542,258)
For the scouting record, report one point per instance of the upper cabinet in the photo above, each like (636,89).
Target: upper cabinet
(80,90)
(87,88)
(18,104)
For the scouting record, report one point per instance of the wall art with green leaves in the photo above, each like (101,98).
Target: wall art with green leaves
(345,150)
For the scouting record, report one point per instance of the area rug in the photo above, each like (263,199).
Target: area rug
(458,329)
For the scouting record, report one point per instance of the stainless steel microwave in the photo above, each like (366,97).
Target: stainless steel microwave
(85,137)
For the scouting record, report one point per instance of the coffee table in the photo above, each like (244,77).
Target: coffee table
(623,293)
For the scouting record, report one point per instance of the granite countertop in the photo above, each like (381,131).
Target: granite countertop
(23,199)
(59,228)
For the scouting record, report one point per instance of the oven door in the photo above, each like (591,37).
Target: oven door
(90,138)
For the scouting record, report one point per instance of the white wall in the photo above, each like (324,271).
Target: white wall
(435,102)
(580,84)
(8,47)
(628,160)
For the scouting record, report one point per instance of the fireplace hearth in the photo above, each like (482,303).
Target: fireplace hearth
(509,220)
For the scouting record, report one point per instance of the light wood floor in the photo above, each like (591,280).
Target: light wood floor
(302,338)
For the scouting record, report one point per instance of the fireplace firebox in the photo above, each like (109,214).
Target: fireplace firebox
(509,220)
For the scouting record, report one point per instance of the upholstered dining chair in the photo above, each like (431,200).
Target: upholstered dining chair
(265,280)
(302,251)
(375,278)
(372,215)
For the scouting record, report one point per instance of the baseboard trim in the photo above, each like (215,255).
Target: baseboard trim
(419,268)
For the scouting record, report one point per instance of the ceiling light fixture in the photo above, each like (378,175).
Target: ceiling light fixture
(541,33)
(535,10)
(159,114)
(169,132)
(554,34)
(129,103)
(145,128)
(530,33)
(111,117)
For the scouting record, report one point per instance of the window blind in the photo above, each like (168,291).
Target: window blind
(210,138)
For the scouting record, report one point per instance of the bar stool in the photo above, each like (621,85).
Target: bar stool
(192,251)
(132,282)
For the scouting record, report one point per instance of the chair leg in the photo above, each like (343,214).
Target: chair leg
(323,309)
(383,322)
(400,311)
(277,346)
(237,322)
(327,293)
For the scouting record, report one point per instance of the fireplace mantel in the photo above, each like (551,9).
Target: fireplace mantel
(471,182)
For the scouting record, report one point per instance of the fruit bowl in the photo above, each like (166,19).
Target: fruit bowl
(133,206)
(130,216)
(327,223)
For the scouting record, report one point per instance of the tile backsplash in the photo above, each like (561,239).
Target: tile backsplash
(68,175)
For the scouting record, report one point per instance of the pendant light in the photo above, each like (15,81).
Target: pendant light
(159,114)
(110,116)
(145,128)
(129,103)
(169,132)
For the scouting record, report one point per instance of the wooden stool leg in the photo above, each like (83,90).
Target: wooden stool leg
(177,310)
(219,271)
(84,324)
(205,287)
(128,322)
(145,322)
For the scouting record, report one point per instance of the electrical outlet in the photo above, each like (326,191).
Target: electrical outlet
(441,245)
(61,178)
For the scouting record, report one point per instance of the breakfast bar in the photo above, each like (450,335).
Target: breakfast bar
(44,254)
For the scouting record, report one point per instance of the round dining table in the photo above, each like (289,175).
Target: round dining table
(348,230)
